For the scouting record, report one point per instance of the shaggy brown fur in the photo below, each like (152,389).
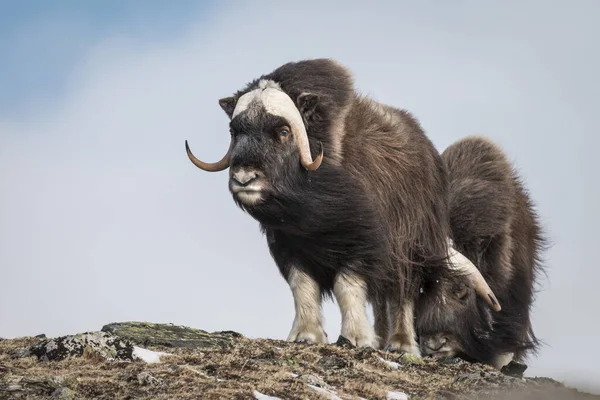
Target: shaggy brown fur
(377,206)
(495,226)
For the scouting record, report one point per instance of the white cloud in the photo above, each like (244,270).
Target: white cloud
(97,190)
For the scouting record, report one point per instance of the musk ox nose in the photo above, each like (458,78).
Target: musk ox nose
(244,177)
(435,343)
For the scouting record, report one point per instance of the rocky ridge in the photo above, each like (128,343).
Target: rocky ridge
(138,360)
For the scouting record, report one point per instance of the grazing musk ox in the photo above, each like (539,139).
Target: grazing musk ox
(350,193)
(495,226)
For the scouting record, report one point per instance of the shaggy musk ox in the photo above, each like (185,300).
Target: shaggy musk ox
(495,226)
(350,193)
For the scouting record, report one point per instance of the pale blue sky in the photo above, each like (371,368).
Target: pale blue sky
(41,42)
(103,218)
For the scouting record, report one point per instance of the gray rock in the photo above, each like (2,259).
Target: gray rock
(169,335)
(514,369)
(100,344)
(343,342)
(22,353)
(63,393)
(145,378)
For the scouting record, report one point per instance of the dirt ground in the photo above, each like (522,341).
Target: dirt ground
(245,369)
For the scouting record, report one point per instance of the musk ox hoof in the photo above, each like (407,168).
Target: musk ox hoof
(400,348)
(364,340)
(392,349)
(309,337)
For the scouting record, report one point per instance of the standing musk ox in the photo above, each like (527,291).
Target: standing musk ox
(495,226)
(350,193)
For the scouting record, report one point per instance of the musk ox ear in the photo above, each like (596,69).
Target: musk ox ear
(307,103)
(228,105)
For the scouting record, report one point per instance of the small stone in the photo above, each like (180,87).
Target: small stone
(63,393)
(259,396)
(514,369)
(390,364)
(343,342)
(314,380)
(451,360)
(396,396)
(145,378)
(40,336)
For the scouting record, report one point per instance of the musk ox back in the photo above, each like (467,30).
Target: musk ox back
(495,226)
(350,193)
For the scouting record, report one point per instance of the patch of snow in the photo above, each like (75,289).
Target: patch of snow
(148,356)
(332,395)
(396,396)
(260,396)
(391,364)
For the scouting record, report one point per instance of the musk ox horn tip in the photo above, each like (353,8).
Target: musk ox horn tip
(317,162)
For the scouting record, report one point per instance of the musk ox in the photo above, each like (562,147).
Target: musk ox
(495,226)
(350,194)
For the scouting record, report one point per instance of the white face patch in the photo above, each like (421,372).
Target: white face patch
(276,102)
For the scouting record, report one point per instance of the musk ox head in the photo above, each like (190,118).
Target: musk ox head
(455,316)
(269,144)
(453,322)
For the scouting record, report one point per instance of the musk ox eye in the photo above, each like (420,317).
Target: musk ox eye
(284,131)
(462,292)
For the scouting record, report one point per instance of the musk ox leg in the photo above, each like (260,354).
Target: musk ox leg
(350,292)
(382,320)
(403,327)
(308,326)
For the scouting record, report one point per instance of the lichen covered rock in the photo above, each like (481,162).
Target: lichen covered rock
(169,335)
(89,344)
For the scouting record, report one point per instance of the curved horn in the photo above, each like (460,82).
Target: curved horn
(461,263)
(305,157)
(210,167)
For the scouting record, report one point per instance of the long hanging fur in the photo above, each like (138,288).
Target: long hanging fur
(378,161)
(378,205)
(495,225)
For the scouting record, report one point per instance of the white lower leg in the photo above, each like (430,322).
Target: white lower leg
(308,324)
(403,335)
(350,292)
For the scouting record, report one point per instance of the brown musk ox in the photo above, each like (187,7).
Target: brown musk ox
(350,194)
